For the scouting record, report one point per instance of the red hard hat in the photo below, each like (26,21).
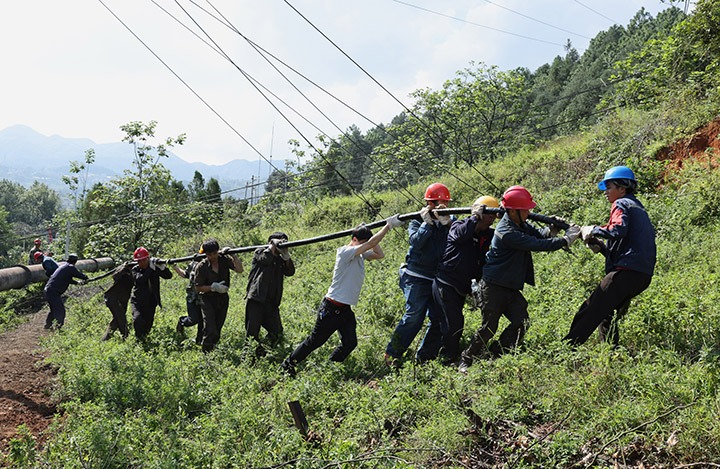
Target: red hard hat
(37,255)
(517,198)
(37,241)
(140,254)
(437,191)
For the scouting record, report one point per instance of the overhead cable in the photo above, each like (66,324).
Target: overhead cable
(477,24)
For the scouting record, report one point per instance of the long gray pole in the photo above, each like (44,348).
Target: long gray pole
(20,276)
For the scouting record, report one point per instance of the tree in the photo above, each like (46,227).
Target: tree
(73,180)
(144,206)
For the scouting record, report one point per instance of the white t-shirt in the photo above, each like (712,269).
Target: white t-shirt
(348,275)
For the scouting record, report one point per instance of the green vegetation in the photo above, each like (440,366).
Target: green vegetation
(654,400)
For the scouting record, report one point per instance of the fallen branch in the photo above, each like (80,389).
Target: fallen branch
(539,440)
(637,427)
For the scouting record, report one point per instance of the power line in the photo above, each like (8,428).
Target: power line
(356,192)
(381,86)
(184,82)
(347,136)
(536,20)
(476,24)
(596,12)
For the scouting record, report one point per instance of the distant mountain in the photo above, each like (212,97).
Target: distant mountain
(27,156)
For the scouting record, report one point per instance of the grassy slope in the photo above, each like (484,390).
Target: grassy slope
(167,405)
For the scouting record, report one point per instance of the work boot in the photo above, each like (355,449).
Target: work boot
(391,361)
(288,367)
(180,328)
(465,363)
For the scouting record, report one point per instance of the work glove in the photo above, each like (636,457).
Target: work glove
(594,244)
(284,254)
(426,216)
(225,251)
(444,219)
(156,264)
(394,221)
(555,229)
(219,287)
(82,282)
(586,232)
(477,210)
(151,262)
(571,234)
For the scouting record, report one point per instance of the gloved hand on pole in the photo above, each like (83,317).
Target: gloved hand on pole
(555,229)
(571,234)
(586,232)
(426,215)
(394,221)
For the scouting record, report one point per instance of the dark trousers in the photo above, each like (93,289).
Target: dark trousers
(118,308)
(451,303)
(497,301)
(330,318)
(194,316)
(608,302)
(143,317)
(265,315)
(447,323)
(214,313)
(57,308)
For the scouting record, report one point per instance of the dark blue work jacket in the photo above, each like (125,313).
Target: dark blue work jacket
(427,244)
(631,237)
(509,261)
(464,255)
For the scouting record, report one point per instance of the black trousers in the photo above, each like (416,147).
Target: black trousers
(330,318)
(265,315)
(194,316)
(118,308)
(451,303)
(497,301)
(143,319)
(214,313)
(57,308)
(606,305)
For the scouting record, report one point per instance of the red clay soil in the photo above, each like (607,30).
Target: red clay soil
(694,148)
(25,383)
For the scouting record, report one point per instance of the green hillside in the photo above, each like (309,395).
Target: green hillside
(652,402)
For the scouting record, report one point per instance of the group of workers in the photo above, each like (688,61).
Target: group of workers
(445,258)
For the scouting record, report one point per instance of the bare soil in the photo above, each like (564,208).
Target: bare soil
(25,382)
(703,146)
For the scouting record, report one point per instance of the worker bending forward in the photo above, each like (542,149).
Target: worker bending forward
(630,257)
(507,269)
(335,313)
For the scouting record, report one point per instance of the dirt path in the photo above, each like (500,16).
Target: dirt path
(25,383)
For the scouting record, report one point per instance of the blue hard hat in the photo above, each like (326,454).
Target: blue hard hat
(616,172)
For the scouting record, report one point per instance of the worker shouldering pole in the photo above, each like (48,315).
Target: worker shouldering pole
(20,276)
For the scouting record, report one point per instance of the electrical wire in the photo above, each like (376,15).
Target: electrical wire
(596,12)
(345,134)
(536,20)
(356,192)
(476,24)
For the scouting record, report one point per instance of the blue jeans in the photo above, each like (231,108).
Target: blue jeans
(418,297)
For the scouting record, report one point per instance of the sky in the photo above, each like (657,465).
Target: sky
(73,69)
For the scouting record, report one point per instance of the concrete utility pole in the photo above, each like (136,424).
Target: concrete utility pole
(21,276)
